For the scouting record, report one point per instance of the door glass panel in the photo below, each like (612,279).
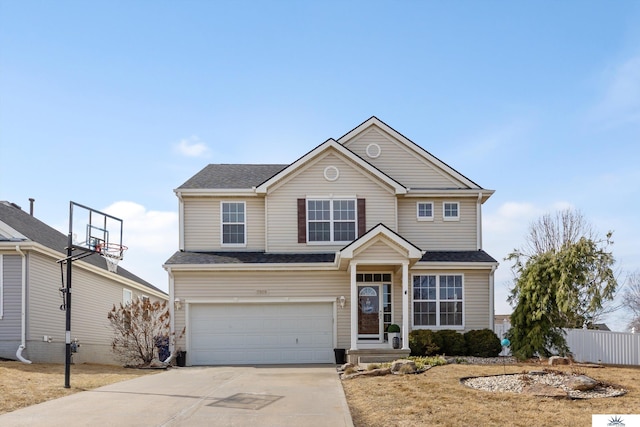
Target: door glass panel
(368,310)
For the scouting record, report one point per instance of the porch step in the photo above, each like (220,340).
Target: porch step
(376,359)
(364,356)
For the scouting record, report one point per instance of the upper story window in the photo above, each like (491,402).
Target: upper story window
(425,211)
(331,220)
(451,211)
(438,300)
(233,223)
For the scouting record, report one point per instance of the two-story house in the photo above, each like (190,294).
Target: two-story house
(285,263)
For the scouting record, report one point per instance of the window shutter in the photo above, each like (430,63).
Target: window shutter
(302,221)
(362,217)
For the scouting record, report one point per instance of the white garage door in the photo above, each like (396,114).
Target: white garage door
(237,334)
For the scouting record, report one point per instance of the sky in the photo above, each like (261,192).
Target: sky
(114,104)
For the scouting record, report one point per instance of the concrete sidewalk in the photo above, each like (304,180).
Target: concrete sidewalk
(202,396)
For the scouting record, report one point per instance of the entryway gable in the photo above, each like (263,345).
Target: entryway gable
(380,242)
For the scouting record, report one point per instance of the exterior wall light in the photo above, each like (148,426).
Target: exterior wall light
(342,301)
(177,303)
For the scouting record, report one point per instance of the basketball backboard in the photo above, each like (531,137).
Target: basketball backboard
(94,231)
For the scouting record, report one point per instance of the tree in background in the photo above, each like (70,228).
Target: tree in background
(138,326)
(563,278)
(631,299)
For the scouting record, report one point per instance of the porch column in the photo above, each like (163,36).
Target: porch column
(405,306)
(354,305)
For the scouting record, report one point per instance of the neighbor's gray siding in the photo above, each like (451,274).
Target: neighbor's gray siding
(93,295)
(400,162)
(10,324)
(438,234)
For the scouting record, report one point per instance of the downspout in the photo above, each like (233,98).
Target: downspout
(492,314)
(479,224)
(23,316)
(172,321)
(180,221)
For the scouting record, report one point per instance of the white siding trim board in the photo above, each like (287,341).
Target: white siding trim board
(252,267)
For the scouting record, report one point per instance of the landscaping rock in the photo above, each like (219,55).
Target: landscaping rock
(581,382)
(544,390)
(558,360)
(371,373)
(398,366)
(346,366)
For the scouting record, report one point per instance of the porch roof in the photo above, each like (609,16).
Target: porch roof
(457,256)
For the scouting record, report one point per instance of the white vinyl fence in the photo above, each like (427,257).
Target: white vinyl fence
(588,345)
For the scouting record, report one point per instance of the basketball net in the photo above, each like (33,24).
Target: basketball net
(112,254)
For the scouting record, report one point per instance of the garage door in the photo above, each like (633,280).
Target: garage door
(237,334)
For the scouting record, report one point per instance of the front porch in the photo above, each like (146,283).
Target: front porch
(376,355)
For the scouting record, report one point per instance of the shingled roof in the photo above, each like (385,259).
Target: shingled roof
(457,256)
(38,232)
(228,176)
(181,257)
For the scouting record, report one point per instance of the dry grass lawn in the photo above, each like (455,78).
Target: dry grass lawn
(436,398)
(24,385)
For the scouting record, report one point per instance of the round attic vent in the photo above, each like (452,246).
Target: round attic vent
(331,173)
(373,150)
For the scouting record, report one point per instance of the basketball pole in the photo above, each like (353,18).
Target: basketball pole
(67,336)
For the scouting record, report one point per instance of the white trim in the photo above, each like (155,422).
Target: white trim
(405,306)
(180,221)
(335,171)
(244,223)
(226,192)
(479,222)
(354,305)
(374,146)
(447,192)
(425,218)
(450,218)
(257,300)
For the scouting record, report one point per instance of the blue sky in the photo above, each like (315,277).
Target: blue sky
(113,104)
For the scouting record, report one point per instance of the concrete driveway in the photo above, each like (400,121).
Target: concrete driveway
(202,396)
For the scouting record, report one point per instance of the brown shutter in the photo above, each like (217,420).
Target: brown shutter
(302,221)
(362,217)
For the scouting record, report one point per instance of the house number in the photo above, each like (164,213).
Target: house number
(262,292)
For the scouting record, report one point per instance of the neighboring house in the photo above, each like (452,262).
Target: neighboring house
(285,263)
(30,300)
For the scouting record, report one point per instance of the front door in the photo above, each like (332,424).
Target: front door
(370,313)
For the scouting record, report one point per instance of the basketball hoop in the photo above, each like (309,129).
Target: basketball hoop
(112,254)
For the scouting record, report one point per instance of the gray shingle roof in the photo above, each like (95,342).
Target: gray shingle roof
(457,256)
(39,232)
(204,258)
(248,258)
(228,176)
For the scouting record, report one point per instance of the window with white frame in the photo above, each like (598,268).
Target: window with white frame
(451,211)
(425,211)
(127,296)
(438,300)
(331,220)
(233,223)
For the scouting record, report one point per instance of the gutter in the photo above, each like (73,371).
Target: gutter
(23,314)
(492,314)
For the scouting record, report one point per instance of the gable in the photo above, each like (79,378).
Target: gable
(319,152)
(401,158)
